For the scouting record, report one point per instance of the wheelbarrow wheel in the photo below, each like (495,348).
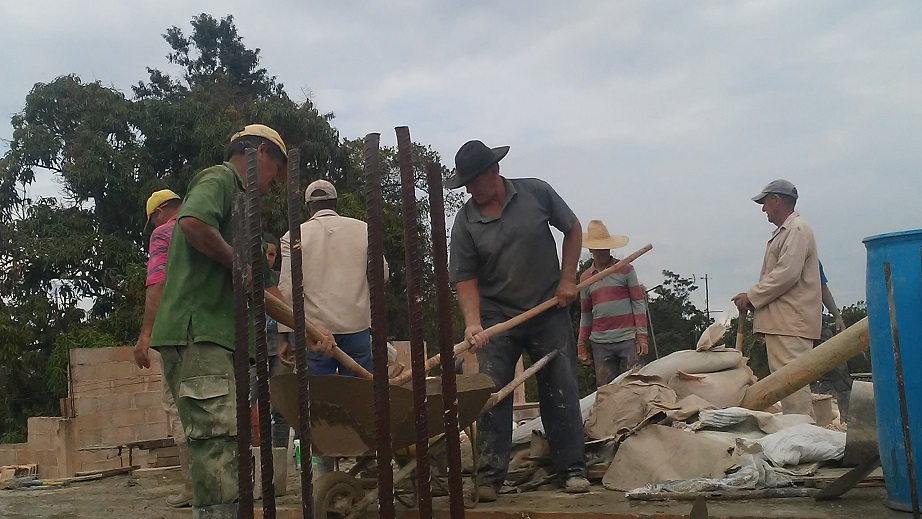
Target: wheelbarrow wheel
(336,494)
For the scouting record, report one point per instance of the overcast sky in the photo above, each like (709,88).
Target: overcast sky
(660,118)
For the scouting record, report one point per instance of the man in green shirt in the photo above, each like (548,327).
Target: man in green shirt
(194,328)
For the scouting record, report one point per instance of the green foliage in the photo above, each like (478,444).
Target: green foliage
(108,152)
(676,321)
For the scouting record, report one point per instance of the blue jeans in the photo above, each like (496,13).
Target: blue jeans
(356,345)
(611,359)
(557,394)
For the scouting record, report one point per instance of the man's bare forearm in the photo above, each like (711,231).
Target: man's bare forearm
(469,300)
(207,240)
(152,296)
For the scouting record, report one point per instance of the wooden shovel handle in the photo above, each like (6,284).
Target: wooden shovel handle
(524,316)
(281,312)
(740,330)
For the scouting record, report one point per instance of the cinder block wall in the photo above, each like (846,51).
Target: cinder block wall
(114,402)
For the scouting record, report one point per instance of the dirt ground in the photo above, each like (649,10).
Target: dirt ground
(143,498)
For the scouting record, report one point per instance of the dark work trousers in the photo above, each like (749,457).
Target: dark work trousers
(557,393)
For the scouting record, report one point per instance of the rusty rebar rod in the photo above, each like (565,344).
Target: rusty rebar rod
(415,314)
(257,261)
(297,304)
(374,216)
(242,359)
(443,304)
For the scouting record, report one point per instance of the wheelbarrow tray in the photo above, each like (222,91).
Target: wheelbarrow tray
(343,410)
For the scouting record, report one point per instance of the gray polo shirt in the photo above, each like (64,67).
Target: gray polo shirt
(513,256)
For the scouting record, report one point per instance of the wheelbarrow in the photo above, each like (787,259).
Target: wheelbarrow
(343,425)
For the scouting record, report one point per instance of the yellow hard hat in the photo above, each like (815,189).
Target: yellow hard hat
(261,130)
(159,198)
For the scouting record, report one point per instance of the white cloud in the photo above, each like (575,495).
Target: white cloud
(662,118)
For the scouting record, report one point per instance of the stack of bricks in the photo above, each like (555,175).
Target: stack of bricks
(114,403)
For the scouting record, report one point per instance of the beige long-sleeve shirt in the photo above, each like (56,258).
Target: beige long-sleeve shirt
(334,259)
(788,293)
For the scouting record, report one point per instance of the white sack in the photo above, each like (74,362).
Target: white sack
(690,361)
(802,443)
(725,388)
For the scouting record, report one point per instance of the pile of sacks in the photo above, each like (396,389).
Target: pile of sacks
(676,423)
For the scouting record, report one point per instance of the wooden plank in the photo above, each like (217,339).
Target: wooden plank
(156,443)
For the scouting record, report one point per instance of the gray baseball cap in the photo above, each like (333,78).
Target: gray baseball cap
(776,187)
(327,191)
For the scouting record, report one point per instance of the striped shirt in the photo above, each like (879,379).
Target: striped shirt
(159,244)
(612,309)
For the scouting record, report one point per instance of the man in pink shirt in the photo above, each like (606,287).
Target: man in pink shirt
(613,312)
(161,209)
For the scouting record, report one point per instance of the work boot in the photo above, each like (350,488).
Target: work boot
(222,511)
(184,498)
(576,485)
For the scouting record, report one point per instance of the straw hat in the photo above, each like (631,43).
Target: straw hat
(598,237)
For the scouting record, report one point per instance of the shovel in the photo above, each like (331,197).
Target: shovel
(848,481)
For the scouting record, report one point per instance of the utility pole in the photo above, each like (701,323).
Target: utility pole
(707,306)
(707,302)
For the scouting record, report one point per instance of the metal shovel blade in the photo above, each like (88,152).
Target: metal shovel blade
(849,479)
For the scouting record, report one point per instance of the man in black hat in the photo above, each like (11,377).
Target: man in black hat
(504,262)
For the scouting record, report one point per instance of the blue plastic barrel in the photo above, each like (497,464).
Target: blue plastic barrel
(894,292)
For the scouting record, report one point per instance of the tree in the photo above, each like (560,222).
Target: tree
(108,152)
(677,323)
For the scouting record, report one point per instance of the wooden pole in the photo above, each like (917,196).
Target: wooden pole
(281,312)
(809,367)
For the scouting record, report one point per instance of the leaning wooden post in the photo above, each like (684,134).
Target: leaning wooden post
(808,368)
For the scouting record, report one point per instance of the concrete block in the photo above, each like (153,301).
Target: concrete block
(151,431)
(122,354)
(122,369)
(83,356)
(125,434)
(84,405)
(43,424)
(92,388)
(97,420)
(10,452)
(116,402)
(147,399)
(129,417)
(89,437)
(47,463)
(42,441)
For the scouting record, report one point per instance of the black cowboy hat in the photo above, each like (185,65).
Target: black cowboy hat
(473,159)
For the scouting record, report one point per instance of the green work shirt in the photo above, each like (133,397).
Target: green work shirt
(198,295)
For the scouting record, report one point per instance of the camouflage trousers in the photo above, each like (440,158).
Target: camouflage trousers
(201,378)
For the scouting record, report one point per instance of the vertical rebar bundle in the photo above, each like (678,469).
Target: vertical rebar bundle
(446,346)
(242,358)
(257,260)
(414,306)
(297,303)
(374,217)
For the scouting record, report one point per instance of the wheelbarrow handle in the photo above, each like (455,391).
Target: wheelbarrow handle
(281,312)
(463,346)
(506,390)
